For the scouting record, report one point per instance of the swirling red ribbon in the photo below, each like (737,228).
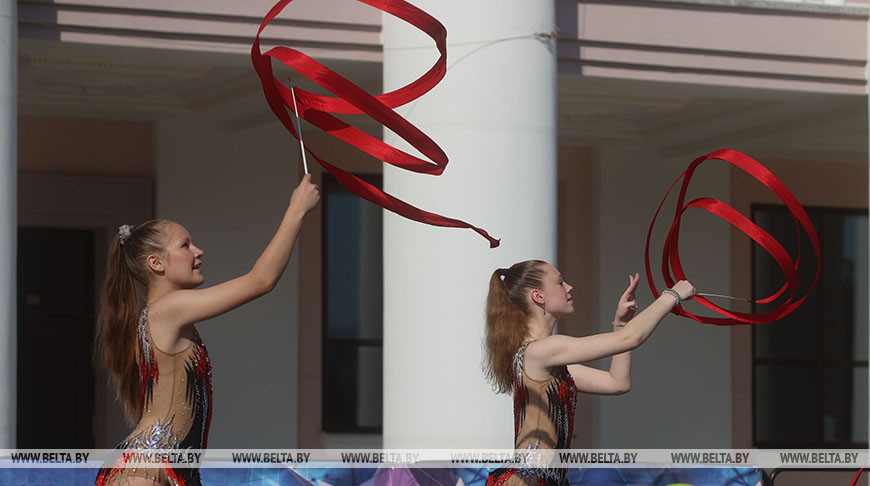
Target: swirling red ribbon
(857,476)
(671,257)
(351,99)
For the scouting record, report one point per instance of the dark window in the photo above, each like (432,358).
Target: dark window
(352,310)
(810,368)
(55,338)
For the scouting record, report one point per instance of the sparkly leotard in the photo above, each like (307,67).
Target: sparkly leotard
(543,420)
(175,411)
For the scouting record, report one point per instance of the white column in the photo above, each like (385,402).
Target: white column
(8,218)
(495,117)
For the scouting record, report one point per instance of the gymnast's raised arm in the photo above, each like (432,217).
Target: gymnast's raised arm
(176,304)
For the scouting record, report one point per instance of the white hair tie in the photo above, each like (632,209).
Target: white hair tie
(124,232)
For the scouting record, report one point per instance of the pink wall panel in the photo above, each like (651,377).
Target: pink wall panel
(782,46)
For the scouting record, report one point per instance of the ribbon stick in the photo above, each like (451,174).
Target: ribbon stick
(351,99)
(720,296)
(298,124)
(672,269)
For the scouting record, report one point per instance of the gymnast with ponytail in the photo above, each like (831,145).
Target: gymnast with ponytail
(544,371)
(147,338)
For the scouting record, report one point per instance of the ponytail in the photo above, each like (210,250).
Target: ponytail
(121,301)
(507,316)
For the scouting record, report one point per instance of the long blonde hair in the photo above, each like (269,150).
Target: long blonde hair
(507,318)
(121,301)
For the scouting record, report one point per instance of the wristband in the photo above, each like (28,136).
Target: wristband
(675,294)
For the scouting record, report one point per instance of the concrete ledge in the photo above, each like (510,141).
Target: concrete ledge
(781,6)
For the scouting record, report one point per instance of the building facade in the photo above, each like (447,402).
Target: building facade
(565,123)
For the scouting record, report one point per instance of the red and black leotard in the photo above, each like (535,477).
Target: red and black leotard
(175,412)
(543,420)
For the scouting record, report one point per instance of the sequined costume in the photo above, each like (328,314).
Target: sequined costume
(543,420)
(175,411)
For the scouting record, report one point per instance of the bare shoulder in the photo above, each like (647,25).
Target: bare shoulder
(160,311)
(543,348)
(538,356)
(168,333)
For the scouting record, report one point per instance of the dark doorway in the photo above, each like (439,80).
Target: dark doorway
(55,338)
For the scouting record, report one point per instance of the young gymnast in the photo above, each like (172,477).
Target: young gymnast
(160,366)
(543,370)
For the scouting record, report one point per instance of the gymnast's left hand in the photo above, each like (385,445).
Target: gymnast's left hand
(628,302)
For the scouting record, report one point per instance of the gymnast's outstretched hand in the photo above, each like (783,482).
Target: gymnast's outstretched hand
(685,289)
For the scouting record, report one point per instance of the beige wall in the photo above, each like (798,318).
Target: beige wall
(84,146)
(578,246)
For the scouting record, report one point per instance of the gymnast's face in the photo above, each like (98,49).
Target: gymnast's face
(182,260)
(555,297)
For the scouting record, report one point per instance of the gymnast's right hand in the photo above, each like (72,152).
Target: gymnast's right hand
(685,289)
(305,196)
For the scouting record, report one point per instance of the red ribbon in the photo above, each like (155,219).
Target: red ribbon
(351,99)
(858,476)
(671,257)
